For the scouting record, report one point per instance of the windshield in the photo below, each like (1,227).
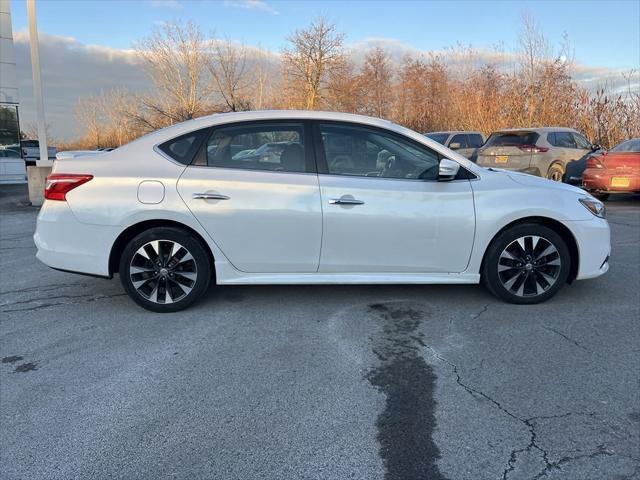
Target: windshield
(512,139)
(438,137)
(628,146)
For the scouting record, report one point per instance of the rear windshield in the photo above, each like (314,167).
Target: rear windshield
(628,146)
(512,139)
(438,137)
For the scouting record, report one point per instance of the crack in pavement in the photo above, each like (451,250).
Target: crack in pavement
(82,298)
(45,288)
(477,315)
(29,247)
(566,337)
(530,424)
(601,451)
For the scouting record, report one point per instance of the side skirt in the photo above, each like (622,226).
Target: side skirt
(341,278)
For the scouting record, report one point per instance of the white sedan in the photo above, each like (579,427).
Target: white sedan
(348,199)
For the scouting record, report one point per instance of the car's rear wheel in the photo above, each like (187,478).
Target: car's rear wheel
(164,269)
(555,172)
(526,264)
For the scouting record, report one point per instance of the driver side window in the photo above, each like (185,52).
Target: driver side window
(368,152)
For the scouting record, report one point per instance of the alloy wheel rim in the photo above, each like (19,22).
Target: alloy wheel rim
(529,266)
(163,271)
(556,176)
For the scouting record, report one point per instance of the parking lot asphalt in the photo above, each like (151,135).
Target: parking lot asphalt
(317,382)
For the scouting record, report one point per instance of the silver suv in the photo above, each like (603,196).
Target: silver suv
(465,143)
(555,153)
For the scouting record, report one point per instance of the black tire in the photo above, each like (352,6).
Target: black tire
(555,172)
(533,274)
(601,195)
(178,280)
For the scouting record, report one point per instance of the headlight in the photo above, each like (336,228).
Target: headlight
(594,206)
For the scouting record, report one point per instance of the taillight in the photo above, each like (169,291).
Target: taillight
(533,149)
(594,162)
(59,184)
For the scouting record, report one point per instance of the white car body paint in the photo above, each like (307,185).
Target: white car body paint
(279,227)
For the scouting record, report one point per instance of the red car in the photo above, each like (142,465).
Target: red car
(615,171)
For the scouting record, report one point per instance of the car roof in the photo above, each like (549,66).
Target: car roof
(449,132)
(232,117)
(537,130)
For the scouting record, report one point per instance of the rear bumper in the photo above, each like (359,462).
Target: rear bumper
(600,180)
(64,243)
(594,246)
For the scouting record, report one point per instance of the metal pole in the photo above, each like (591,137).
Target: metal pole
(37,85)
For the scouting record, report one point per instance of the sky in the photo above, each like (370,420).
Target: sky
(99,35)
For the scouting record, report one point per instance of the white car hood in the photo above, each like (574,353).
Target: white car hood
(539,182)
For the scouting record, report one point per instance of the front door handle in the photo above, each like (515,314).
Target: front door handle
(210,196)
(345,200)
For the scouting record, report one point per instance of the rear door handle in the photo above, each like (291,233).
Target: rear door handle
(210,196)
(345,200)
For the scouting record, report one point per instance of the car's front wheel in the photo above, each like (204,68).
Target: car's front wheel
(165,269)
(526,264)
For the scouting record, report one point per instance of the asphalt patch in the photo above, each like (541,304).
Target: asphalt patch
(406,425)
(26,367)
(12,359)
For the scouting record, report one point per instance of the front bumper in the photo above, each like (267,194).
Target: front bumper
(594,246)
(64,243)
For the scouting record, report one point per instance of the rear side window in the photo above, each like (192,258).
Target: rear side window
(475,140)
(461,139)
(628,146)
(182,149)
(562,140)
(278,147)
(512,139)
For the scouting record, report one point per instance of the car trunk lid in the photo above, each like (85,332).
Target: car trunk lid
(622,162)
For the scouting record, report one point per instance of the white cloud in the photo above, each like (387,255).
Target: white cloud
(588,76)
(251,5)
(71,70)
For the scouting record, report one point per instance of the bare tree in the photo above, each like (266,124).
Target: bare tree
(376,78)
(193,75)
(176,60)
(229,70)
(261,76)
(534,48)
(89,111)
(312,55)
(345,90)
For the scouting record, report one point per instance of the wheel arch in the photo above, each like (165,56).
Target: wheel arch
(130,232)
(554,225)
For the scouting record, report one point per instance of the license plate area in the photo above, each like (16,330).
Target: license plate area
(620,182)
(502,158)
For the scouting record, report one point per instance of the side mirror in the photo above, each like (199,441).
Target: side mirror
(447,170)
(595,147)
(454,145)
